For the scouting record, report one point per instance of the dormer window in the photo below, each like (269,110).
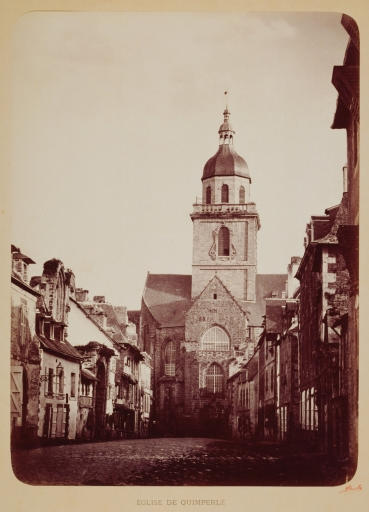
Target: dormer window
(46,330)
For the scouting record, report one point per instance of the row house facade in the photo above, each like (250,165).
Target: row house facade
(76,369)
(25,357)
(264,399)
(345,78)
(243,394)
(308,351)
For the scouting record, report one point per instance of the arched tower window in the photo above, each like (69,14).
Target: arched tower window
(170,359)
(242,194)
(215,338)
(208,195)
(225,193)
(214,379)
(223,241)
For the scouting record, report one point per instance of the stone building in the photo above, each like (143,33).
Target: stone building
(60,361)
(25,361)
(243,399)
(100,353)
(195,326)
(324,292)
(281,328)
(108,342)
(346,80)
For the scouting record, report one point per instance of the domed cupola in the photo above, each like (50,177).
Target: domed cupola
(226,162)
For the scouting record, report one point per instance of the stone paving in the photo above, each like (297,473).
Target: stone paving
(171,461)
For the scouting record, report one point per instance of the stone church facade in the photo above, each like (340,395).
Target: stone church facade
(198,328)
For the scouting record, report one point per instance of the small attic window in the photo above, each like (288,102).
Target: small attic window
(214,296)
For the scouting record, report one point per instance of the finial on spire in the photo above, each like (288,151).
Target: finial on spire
(226,111)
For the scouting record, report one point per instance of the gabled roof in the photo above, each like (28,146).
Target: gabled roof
(274,315)
(15,279)
(63,349)
(115,320)
(216,278)
(266,285)
(168,296)
(81,308)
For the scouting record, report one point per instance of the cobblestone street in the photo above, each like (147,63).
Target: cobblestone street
(171,461)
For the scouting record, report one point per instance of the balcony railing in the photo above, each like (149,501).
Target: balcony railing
(224,208)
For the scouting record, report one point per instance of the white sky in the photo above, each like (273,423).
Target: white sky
(114,116)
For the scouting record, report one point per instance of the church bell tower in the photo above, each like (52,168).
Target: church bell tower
(225,222)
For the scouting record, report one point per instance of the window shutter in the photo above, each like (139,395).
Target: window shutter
(65,420)
(53,421)
(16,393)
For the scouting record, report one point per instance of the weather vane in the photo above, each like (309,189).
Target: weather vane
(225,94)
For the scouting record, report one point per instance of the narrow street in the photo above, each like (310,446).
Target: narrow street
(171,461)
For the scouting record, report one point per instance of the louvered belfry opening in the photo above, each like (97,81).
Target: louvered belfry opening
(208,195)
(170,359)
(225,194)
(223,241)
(214,379)
(242,195)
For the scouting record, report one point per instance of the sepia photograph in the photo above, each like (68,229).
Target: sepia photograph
(184,249)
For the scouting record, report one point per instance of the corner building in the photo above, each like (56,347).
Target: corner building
(196,327)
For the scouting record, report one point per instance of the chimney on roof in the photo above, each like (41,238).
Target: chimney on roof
(20,263)
(81,295)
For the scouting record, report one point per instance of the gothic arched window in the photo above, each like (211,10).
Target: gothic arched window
(223,241)
(215,338)
(214,379)
(170,359)
(208,195)
(242,194)
(225,194)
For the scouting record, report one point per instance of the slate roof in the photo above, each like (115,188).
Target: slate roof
(168,297)
(63,349)
(116,318)
(88,375)
(266,284)
(225,162)
(274,315)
